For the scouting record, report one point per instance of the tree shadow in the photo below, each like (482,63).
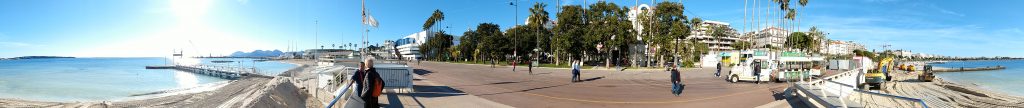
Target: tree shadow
(541,73)
(525,90)
(495,83)
(592,79)
(421,72)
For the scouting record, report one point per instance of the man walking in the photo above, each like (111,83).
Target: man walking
(530,65)
(757,71)
(676,80)
(575,71)
(374,85)
(718,69)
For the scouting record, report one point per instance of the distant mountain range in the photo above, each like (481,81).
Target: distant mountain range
(258,53)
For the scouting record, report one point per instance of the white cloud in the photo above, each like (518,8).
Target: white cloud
(5,43)
(14,44)
(945,11)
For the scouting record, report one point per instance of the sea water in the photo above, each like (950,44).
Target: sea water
(102,79)
(1009,80)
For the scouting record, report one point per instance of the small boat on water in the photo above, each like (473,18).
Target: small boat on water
(221,61)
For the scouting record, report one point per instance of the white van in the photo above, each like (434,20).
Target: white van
(744,71)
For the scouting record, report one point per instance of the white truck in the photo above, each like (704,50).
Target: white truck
(744,71)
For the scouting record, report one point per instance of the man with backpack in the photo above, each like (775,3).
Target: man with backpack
(373,85)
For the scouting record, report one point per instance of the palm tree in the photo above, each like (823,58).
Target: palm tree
(432,20)
(538,15)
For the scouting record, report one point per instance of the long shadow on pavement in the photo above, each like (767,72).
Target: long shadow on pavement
(526,90)
(592,79)
(495,83)
(421,72)
(435,91)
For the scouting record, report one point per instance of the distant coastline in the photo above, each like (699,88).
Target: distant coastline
(34,57)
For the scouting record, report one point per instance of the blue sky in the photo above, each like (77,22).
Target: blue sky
(133,28)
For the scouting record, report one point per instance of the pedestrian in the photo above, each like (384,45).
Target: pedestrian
(514,64)
(575,71)
(757,71)
(358,78)
(676,81)
(718,70)
(530,65)
(374,85)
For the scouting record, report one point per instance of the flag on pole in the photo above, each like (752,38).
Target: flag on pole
(369,20)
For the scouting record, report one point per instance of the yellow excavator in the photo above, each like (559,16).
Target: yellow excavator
(875,78)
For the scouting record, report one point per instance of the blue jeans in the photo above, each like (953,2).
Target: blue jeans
(575,75)
(718,72)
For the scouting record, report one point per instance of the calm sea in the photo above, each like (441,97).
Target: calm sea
(1009,80)
(99,79)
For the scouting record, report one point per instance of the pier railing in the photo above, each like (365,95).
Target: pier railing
(229,72)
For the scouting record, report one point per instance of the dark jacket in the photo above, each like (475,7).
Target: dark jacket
(373,84)
(357,78)
(718,66)
(675,75)
(757,68)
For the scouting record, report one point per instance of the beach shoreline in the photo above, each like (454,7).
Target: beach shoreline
(243,92)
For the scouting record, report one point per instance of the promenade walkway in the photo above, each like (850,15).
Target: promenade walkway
(551,87)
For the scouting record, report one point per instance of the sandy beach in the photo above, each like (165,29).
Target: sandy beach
(253,91)
(947,94)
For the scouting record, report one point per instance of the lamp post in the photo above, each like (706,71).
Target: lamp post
(514,42)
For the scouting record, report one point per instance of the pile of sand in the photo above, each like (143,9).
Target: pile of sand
(282,94)
(944,94)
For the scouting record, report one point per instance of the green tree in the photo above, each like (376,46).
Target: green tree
(609,26)
(817,38)
(669,24)
(493,44)
(742,45)
(800,40)
(467,44)
(542,36)
(570,28)
(523,44)
(436,47)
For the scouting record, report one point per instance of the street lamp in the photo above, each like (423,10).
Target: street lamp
(514,24)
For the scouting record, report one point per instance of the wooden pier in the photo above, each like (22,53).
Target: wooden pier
(962,69)
(226,72)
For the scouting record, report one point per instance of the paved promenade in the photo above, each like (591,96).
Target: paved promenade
(550,87)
